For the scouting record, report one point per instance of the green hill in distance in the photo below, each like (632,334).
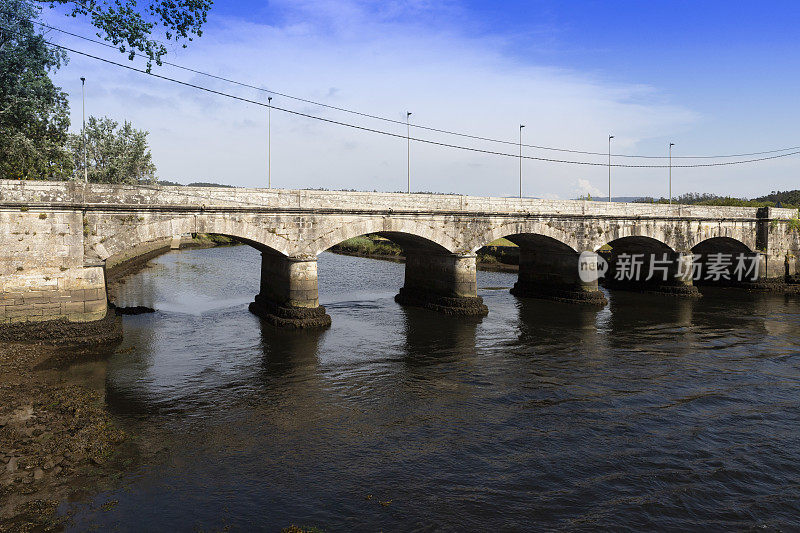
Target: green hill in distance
(789,199)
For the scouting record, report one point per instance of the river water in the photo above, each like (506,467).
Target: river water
(653,413)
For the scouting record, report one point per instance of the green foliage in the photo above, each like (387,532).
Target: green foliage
(207,184)
(130,26)
(502,241)
(785,198)
(34,113)
(693,198)
(370,245)
(194,184)
(114,154)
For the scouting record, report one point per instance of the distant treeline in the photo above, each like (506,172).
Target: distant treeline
(194,184)
(789,199)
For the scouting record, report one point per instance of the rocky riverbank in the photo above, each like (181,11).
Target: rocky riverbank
(57,440)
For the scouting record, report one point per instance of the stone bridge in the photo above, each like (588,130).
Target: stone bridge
(56,238)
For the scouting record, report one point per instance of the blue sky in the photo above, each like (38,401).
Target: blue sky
(713,77)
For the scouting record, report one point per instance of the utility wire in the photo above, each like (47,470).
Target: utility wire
(400,136)
(399,122)
(396,135)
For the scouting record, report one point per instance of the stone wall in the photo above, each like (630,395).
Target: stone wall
(75,294)
(42,270)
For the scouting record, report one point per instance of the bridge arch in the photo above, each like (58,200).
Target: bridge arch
(732,252)
(409,233)
(536,233)
(721,245)
(639,243)
(259,237)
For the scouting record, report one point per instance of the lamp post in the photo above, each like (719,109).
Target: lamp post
(609,167)
(520,159)
(670,172)
(269,142)
(83,130)
(408,150)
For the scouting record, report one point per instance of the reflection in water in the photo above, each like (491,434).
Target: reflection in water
(286,351)
(546,323)
(432,338)
(654,412)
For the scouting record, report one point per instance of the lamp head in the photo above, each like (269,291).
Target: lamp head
(610,137)
(672,144)
(83,80)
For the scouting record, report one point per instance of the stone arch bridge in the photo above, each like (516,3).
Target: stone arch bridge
(56,237)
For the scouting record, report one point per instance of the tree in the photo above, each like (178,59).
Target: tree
(114,154)
(130,27)
(34,113)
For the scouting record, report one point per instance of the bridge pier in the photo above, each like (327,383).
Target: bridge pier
(442,282)
(289,297)
(791,269)
(555,274)
(666,272)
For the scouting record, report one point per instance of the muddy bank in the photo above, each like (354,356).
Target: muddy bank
(57,441)
(208,240)
(107,331)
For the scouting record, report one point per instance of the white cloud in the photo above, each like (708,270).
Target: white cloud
(585,187)
(356,54)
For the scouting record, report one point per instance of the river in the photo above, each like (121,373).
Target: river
(655,412)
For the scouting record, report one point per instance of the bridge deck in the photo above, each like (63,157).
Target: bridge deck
(14,193)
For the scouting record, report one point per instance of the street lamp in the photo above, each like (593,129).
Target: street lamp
(670,172)
(520,159)
(83,130)
(408,149)
(609,167)
(269,142)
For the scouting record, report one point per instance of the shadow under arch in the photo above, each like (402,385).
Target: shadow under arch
(725,261)
(638,243)
(721,244)
(551,269)
(537,230)
(644,264)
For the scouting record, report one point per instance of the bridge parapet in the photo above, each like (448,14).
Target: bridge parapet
(46,192)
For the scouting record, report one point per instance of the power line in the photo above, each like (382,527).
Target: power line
(396,135)
(399,122)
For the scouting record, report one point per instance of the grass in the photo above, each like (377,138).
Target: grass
(375,245)
(215,239)
(369,245)
(502,241)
